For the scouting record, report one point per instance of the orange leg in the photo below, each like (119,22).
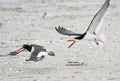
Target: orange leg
(96,41)
(73,42)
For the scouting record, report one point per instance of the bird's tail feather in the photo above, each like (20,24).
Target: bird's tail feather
(50,53)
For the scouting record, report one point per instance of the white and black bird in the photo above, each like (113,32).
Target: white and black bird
(37,52)
(92,31)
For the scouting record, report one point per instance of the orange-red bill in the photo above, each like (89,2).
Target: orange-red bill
(20,49)
(96,41)
(73,42)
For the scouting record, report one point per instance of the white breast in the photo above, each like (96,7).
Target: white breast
(89,36)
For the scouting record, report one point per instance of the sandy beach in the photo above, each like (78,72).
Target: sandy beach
(34,22)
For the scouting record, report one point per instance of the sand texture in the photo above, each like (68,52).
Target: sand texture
(34,22)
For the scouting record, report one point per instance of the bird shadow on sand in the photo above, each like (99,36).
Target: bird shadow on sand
(4,55)
(38,70)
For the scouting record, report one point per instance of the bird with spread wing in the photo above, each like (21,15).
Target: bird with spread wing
(92,31)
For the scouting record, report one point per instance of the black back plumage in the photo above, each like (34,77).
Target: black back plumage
(36,51)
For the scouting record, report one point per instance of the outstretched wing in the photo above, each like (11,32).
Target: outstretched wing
(64,31)
(37,50)
(97,21)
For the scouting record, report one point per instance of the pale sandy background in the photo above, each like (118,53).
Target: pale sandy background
(33,21)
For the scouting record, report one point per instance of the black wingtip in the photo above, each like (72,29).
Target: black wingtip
(58,29)
(55,27)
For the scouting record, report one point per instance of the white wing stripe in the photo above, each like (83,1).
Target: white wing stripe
(100,24)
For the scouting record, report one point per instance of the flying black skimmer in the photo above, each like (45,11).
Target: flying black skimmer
(37,52)
(92,31)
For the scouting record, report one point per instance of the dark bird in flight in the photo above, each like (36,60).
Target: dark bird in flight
(37,52)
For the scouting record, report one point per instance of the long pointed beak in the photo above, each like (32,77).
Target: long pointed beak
(96,41)
(20,50)
(73,42)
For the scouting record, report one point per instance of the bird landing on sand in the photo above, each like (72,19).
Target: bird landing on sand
(38,52)
(92,31)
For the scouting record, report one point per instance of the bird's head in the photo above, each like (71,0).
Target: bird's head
(24,47)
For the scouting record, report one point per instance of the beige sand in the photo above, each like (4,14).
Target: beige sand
(33,21)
